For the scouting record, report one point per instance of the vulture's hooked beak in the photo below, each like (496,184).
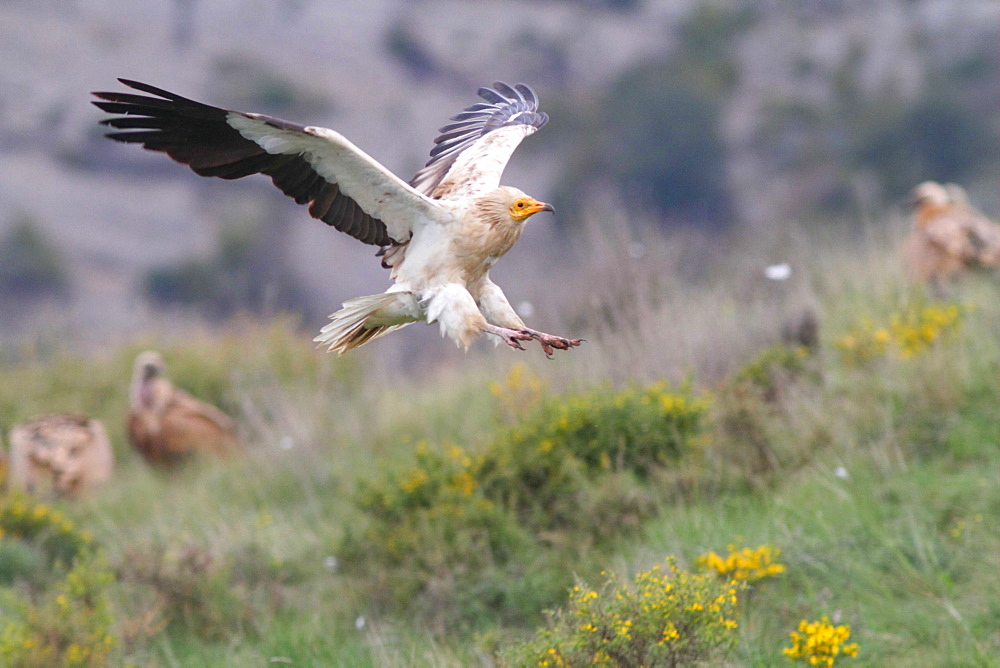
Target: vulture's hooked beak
(541,206)
(526,207)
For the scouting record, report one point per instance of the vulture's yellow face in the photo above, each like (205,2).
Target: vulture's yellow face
(523,207)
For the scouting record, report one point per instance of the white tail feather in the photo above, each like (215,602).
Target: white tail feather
(366,318)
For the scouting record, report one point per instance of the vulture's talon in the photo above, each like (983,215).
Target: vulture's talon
(550,343)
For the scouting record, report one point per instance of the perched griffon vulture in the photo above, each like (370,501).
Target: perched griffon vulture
(949,235)
(167,425)
(73,451)
(439,234)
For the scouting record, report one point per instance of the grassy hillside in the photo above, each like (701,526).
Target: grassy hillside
(431,518)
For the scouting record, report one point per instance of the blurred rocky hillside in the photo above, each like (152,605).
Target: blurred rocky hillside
(708,114)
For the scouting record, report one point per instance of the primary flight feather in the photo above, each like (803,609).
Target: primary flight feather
(439,234)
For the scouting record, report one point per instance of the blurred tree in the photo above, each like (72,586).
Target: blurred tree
(663,149)
(407,48)
(186,283)
(948,131)
(655,136)
(939,137)
(185,17)
(613,5)
(247,273)
(245,83)
(30,265)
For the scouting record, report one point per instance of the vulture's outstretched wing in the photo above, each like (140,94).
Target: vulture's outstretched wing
(470,154)
(343,186)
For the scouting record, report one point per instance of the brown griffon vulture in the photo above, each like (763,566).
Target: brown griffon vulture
(167,425)
(70,451)
(948,236)
(439,233)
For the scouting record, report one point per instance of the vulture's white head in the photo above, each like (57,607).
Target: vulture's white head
(929,200)
(507,204)
(148,365)
(930,193)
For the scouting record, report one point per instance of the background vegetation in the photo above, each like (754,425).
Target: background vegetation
(30,265)
(384,517)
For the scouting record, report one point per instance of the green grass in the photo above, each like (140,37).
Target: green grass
(877,481)
(912,592)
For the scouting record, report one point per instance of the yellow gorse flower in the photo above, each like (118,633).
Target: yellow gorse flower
(416,479)
(910,332)
(820,643)
(464,483)
(746,564)
(519,389)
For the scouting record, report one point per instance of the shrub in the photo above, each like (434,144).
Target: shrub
(38,524)
(58,611)
(909,332)
(774,369)
(636,429)
(666,617)
(69,626)
(761,426)
(569,476)
(190,588)
(432,533)
(518,393)
(435,478)
(820,643)
(914,331)
(23,564)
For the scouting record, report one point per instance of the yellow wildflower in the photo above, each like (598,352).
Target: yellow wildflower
(414,481)
(820,643)
(464,483)
(744,565)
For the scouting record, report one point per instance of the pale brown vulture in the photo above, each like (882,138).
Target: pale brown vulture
(439,234)
(167,425)
(70,451)
(948,235)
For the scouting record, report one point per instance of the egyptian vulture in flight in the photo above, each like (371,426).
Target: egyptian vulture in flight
(439,234)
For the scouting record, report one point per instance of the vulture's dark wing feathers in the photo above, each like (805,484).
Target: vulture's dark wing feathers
(202,137)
